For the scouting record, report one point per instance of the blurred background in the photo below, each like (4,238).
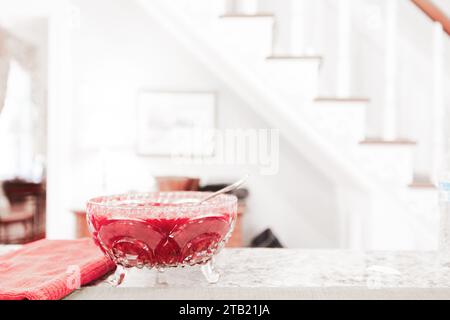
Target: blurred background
(353,95)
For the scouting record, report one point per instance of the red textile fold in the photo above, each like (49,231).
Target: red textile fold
(50,269)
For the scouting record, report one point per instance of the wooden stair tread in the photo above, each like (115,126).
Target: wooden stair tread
(422,185)
(295,57)
(421,181)
(380,141)
(243,15)
(341,99)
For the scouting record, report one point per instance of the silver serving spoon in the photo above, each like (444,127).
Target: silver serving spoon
(228,188)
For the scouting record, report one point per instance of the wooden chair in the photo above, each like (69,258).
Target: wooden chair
(31,217)
(10,221)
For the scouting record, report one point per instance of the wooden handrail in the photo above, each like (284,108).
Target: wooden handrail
(432,11)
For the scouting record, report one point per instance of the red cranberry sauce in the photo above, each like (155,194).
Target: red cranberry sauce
(160,242)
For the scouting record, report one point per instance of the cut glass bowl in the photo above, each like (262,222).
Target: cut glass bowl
(161,229)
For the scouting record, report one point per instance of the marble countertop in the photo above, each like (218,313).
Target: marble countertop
(309,268)
(292,273)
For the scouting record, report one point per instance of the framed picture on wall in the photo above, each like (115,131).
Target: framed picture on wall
(175,123)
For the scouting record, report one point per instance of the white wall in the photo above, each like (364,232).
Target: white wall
(118,50)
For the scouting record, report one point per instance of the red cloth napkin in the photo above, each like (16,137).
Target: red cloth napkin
(50,269)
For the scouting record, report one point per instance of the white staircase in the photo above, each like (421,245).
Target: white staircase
(378,207)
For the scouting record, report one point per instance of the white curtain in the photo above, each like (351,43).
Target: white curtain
(4,68)
(17,123)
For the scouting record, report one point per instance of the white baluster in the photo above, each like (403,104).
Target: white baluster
(344,43)
(390,112)
(304,23)
(283,27)
(248,6)
(438,96)
(231,6)
(298,26)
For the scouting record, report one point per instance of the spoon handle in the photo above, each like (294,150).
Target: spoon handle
(231,187)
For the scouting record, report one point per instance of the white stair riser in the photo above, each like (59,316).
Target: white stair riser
(295,79)
(250,39)
(388,163)
(203,12)
(342,124)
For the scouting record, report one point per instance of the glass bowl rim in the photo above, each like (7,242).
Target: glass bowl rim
(218,201)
